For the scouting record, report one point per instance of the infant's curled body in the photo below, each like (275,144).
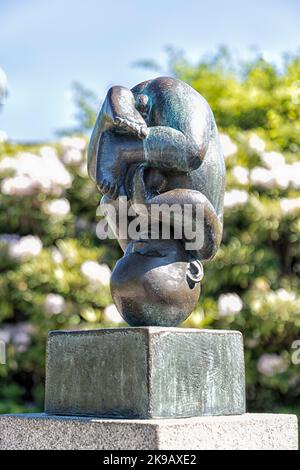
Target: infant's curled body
(172,156)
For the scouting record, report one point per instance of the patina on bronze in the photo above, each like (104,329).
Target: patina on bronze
(158,144)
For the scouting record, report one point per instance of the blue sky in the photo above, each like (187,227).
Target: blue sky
(46,44)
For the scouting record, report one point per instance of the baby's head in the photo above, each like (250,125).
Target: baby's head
(155,283)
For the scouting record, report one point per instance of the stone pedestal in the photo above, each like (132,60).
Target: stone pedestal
(144,373)
(248,431)
(148,376)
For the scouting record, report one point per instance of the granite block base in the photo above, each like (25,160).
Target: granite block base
(248,431)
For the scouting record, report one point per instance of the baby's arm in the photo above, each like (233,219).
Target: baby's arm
(203,225)
(166,148)
(118,114)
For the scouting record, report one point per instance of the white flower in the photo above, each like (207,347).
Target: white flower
(35,173)
(3,136)
(72,156)
(262,177)
(290,206)
(57,256)
(271,364)
(272,159)
(54,304)
(96,273)
(26,247)
(257,144)
(59,274)
(26,164)
(295,175)
(18,186)
(7,164)
(228,146)
(111,314)
(78,143)
(58,207)
(241,174)
(229,304)
(282,176)
(235,198)
(54,169)
(48,152)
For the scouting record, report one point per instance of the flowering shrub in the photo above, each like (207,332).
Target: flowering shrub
(253,285)
(54,272)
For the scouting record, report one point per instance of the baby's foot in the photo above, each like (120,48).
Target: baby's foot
(108,188)
(121,115)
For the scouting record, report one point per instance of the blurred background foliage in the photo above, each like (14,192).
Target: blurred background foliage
(54,272)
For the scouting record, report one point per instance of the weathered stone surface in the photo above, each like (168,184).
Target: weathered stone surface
(147,372)
(249,431)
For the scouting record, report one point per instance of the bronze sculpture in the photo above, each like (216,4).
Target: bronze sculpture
(154,152)
(157,145)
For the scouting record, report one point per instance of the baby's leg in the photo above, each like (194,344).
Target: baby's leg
(118,114)
(194,211)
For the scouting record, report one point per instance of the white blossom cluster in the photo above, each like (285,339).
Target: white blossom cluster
(271,365)
(56,255)
(22,248)
(290,205)
(73,148)
(279,176)
(54,304)
(281,300)
(34,173)
(229,304)
(276,172)
(235,198)
(241,175)
(95,273)
(285,295)
(111,314)
(228,146)
(58,208)
(257,144)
